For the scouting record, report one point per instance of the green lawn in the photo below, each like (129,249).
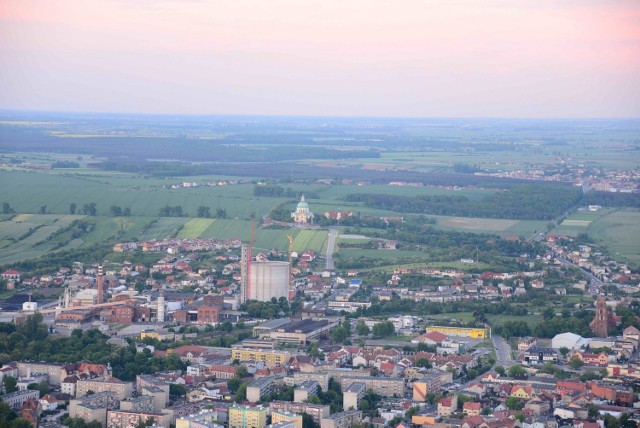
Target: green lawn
(462,316)
(530,319)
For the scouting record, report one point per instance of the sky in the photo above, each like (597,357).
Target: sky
(418,58)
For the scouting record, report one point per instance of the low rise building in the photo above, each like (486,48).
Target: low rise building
(536,355)
(448,406)
(526,342)
(16,399)
(474,333)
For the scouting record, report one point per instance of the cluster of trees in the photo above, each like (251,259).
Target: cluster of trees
(523,202)
(205,212)
(117,211)
(513,329)
(383,329)
(577,323)
(78,422)
(269,310)
(9,418)
(274,191)
(65,164)
(89,209)
(341,333)
(7,209)
(169,211)
(453,244)
(30,340)
(201,151)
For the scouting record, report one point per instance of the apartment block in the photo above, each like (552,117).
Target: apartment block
(384,386)
(122,389)
(127,419)
(352,395)
(322,378)
(247,417)
(428,384)
(305,390)
(271,358)
(342,420)
(316,411)
(278,417)
(149,381)
(259,388)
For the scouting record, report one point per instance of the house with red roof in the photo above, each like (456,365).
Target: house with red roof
(49,402)
(11,274)
(389,369)
(471,409)
(519,391)
(472,422)
(448,406)
(600,359)
(431,338)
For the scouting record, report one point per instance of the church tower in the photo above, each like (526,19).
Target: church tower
(600,324)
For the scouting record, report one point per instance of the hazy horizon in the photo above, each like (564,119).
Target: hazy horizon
(5,111)
(536,59)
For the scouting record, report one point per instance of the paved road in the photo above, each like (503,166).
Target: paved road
(595,283)
(503,351)
(333,234)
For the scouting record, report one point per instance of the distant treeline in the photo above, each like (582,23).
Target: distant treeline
(525,202)
(290,171)
(608,199)
(135,149)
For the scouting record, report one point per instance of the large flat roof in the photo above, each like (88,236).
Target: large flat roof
(303,326)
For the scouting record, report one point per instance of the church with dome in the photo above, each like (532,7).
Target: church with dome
(302,214)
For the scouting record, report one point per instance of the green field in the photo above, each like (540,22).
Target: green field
(619,231)
(27,192)
(36,232)
(311,240)
(195,228)
(580,221)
